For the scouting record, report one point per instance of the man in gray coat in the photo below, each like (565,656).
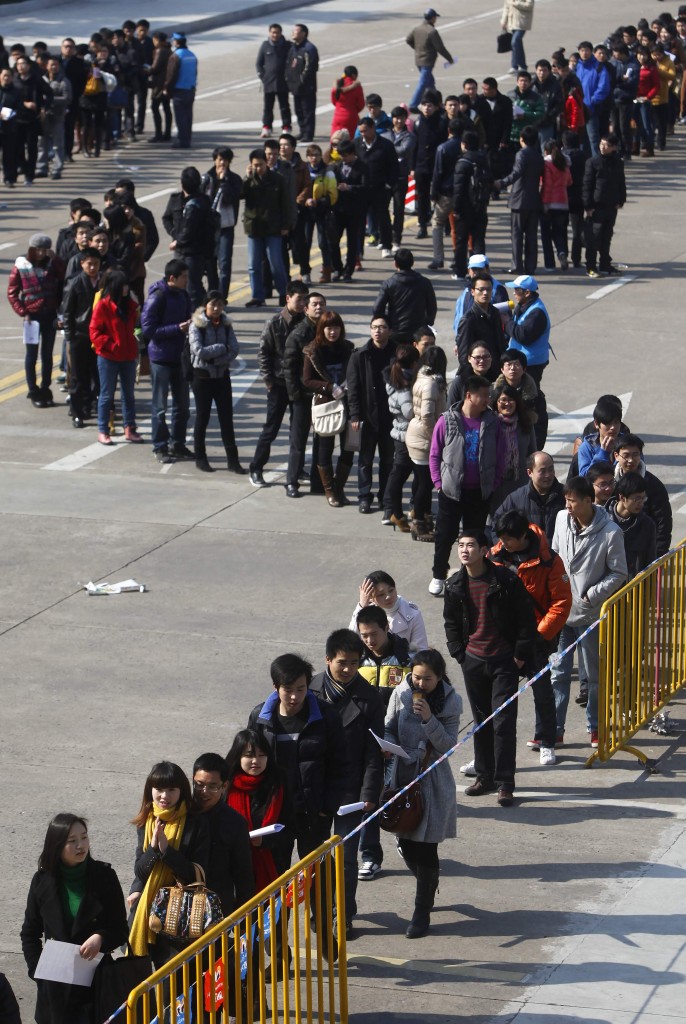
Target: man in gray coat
(592,549)
(52,137)
(426,42)
(271,71)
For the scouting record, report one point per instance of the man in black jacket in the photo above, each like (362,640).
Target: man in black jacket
(490,628)
(525,202)
(447,156)
(628,454)
(430,129)
(223,187)
(472,184)
(126,186)
(368,407)
(498,128)
(548,88)
(300,399)
(349,211)
(76,312)
(625,509)
(541,498)
(190,220)
(270,359)
(406,299)
(381,162)
(271,71)
(604,193)
(76,70)
(360,708)
(302,64)
(482,322)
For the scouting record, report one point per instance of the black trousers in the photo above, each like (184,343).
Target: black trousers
(576,222)
(379,198)
(164,102)
(422,491)
(326,449)
(488,684)
(83,377)
(305,112)
(524,226)
(277,403)
(301,421)
(350,222)
(27,147)
(470,510)
(544,698)
(422,193)
(369,442)
(425,854)
(268,109)
(402,468)
(206,390)
(599,231)
(474,225)
(399,194)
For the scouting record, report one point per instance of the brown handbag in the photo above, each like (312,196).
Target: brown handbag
(404,815)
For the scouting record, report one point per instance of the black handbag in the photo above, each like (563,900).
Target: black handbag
(114,979)
(504,42)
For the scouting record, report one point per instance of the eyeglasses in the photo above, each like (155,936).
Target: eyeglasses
(480,359)
(208,787)
(483,291)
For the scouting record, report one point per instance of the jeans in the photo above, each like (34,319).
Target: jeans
(426,81)
(321,218)
(518,55)
(301,421)
(592,136)
(305,106)
(524,240)
(554,235)
(277,403)
(646,124)
(182,102)
(369,442)
(108,371)
(402,468)
(489,682)
(52,138)
(471,509)
(270,247)
(166,378)
(588,655)
(48,329)
(225,259)
(268,109)
(341,826)
(599,231)
(206,390)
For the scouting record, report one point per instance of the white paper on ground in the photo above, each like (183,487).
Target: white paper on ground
(31,334)
(391,748)
(125,587)
(351,808)
(268,830)
(60,961)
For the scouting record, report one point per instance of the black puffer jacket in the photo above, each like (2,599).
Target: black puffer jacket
(461,181)
(321,754)
(301,335)
(479,325)
(538,509)
(408,300)
(363,400)
(430,132)
(604,182)
(270,355)
(509,604)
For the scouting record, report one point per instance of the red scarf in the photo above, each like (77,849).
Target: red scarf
(242,788)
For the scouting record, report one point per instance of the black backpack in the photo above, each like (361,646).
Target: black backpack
(479,186)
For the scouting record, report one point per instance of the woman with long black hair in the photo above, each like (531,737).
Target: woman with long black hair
(112,336)
(347,97)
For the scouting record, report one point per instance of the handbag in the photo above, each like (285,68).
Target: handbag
(504,42)
(185,911)
(114,979)
(328,418)
(404,815)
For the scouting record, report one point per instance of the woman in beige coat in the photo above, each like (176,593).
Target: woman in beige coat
(429,402)
(517,18)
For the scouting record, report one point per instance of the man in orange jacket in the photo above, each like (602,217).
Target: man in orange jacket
(524,548)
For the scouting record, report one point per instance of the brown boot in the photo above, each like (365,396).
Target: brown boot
(326,276)
(327,482)
(401,523)
(339,482)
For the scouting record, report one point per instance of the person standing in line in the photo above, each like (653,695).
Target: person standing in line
(379,157)
(625,509)
(76,312)
(528,328)
(517,18)
(430,130)
(180,84)
(427,44)
(406,299)
(541,498)
(299,397)
(74,68)
(112,336)
(347,96)
(266,220)
(223,187)
(302,64)
(157,76)
(525,202)
(604,194)
(271,71)
(52,136)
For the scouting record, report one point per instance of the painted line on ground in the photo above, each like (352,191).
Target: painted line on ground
(607,289)
(155,195)
(7,245)
(460,970)
(84,457)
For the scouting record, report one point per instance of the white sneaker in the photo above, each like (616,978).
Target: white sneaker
(436,587)
(368,871)
(394,247)
(386,254)
(468,769)
(265,133)
(547,756)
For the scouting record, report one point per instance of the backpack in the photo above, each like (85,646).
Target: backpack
(479,186)
(207,232)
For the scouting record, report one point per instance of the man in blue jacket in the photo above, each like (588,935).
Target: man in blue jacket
(165,320)
(595,82)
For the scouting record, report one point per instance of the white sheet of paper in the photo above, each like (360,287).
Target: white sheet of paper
(7,113)
(31,332)
(351,808)
(60,961)
(268,830)
(391,748)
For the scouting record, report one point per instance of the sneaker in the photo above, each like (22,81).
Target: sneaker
(266,132)
(161,455)
(62,378)
(594,738)
(468,769)
(256,478)
(394,248)
(582,699)
(533,744)
(368,870)
(386,254)
(179,451)
(422,233)
(547,756)
(364,506)
(372,240)
(592,273)
(436,587)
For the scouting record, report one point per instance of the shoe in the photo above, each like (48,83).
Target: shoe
(386,254)
(594,739)
(77,422)
(480,788)
(592,273)
(564,262)
(256,478)
(368,870)
(346,278)
(372,240)
(505,798)
(56,175)
(254,303)
(156,138)
(419,925)
(306,278)
(203,465)
(400,523)
(105,439)
(39,402)
(292,491)
(468,769)
(548,270)
(28,183)
(132,436)
(266,132)
(422,233)
(161,455)
(325,276)
(435,265)
(394,249)
(582,699)
(287,128)
(349,931)
(547,756)
(358,265)
(179,451)
(533,744)
(559,740)
(234,466)
(436,587)
(364,506)
(61,379)
(513,71)
(386,518)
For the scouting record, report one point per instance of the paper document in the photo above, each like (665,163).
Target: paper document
(60,961)
(351,808)
(268,830)
(125,587)
(31,332)
(391,748)
(7,113)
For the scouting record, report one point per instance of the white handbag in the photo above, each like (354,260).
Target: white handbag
(328,418)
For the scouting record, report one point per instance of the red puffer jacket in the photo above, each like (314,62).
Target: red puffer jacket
(111,333)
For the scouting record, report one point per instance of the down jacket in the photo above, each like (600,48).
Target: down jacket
(439,821)
(213,346)
(595,560)
(518,15)
(111,334)
(428,403)
(400,406)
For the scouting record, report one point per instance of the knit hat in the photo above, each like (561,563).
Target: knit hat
(39,241)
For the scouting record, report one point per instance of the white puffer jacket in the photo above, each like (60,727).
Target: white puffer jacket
(429,403)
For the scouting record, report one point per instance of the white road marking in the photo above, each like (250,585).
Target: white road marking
(83,457)
(155,195)
(7,245)
(600,293)
(565,427)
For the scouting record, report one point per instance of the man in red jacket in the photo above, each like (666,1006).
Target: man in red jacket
(523,548)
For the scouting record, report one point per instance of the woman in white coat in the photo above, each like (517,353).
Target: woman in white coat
(423,717)
(517,18)
(404,617)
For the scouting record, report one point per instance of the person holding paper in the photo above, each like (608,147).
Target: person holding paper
(423,717)
(72,899)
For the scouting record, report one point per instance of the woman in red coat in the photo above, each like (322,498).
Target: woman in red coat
(347,97)
(111,332)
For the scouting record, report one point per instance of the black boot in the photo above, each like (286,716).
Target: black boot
(233,462)
(340,480)
(427,883)
(46,395)
(202,464)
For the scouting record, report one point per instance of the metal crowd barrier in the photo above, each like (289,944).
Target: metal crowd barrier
(642,653)
(279,957)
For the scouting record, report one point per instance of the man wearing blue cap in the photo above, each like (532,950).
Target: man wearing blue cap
(426,42)
(528,329)
(182,78)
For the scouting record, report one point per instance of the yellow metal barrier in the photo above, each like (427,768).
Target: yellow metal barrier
(244,967)
(642,653)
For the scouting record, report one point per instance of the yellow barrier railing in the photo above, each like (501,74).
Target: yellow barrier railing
(245,968)
(642,652)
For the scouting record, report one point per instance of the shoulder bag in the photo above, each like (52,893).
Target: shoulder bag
(328,417)
(404,815)
(185,911)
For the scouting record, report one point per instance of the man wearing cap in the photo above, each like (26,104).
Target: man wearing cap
(180,83)
(528,328)
(476,262)
(426,42)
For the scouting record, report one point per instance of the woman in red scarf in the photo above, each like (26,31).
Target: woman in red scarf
(257,793)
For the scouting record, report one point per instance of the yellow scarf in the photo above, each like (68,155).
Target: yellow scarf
(175,821)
